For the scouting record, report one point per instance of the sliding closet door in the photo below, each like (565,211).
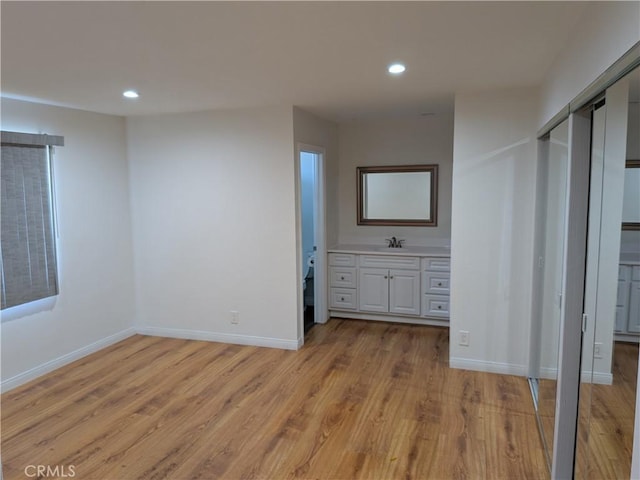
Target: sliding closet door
(551,212)
(571,317)
(607,395)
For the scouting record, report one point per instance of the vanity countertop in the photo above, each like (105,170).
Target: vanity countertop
(382,250)
(630,258)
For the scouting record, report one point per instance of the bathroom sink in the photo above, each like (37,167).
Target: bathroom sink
(414,250)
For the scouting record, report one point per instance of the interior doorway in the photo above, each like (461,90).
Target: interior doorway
(312,237)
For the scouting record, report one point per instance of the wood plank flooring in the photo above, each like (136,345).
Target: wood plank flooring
(361,399)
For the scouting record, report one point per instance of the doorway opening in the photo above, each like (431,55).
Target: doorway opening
(312,234)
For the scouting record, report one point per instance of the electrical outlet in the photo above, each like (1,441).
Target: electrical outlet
(463,338)
(597,350)
(235,317)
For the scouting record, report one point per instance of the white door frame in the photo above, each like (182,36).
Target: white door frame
(571,323)
(320,266)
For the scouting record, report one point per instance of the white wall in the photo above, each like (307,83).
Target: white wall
(604,33)
(395,141)
(96,301)
(494,175)
(214,225)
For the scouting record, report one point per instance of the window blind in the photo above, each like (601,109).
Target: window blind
(27,243)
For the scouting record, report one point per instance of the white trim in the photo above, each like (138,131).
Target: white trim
(233,338)
(599,378)
(489,367)
(626,337)
(59,362)
(573,286)
(384,317)
(320,267)
(56,363)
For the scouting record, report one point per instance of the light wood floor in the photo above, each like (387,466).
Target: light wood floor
(360,400)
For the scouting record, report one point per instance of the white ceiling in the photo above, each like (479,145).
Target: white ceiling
(327,57)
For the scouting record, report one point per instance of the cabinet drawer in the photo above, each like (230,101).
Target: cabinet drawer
(624,272)
(436,264)
(435,306)
(342,259)
(623,293)
(635,274)
(344,298)
(344,277)
(389,261)
(435,282)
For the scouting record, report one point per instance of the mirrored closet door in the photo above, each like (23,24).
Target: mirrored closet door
(551,210)
(586,314)
(609,368)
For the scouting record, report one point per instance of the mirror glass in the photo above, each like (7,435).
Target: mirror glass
(607,399)
(631,200)
(397,195)
(551,209)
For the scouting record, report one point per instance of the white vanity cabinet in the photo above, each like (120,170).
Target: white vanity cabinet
(389,287)
(628,302)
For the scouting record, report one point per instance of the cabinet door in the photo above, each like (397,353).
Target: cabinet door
(404,292)
(621,319)
(634,308)
(373,290)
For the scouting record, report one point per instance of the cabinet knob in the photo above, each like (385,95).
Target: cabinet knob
(386,276)
(342,299)
(342,278)
(439,284)
(439,307)
(391,276)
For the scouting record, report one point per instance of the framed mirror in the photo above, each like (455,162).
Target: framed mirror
(631,199)
(398,195)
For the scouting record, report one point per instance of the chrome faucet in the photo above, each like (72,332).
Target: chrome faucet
(394,242)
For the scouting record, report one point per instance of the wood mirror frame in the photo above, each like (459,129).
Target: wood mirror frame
(363,219)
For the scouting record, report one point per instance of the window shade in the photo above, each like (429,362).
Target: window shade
(28,253)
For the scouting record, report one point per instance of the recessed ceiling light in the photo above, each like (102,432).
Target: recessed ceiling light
(130,94)
(396,68)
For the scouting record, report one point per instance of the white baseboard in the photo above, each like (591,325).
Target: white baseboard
(626,337)
(221,337)
(56,363)
(600,378)
(385,317)
(486,366)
